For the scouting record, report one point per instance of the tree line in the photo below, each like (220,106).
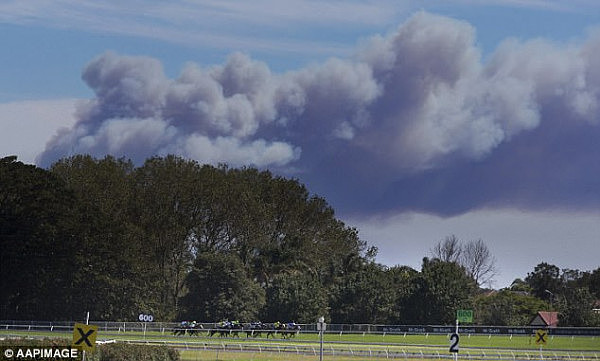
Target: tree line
(181,240)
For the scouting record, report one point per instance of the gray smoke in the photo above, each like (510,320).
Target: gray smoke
(417,108)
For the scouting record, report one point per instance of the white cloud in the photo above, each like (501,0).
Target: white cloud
(232,151)
(232,24)
(26,126)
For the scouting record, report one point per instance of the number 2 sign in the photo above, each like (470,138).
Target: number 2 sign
(454,338)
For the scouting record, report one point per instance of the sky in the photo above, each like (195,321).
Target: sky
(416,120)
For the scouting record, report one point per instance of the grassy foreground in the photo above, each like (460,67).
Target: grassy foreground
(233,356)
(354,347)
(576,343)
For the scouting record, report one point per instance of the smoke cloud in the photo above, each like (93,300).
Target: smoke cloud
(415,121)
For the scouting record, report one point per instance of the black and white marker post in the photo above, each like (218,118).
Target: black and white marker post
(321,325)
(454,338)
(87,322)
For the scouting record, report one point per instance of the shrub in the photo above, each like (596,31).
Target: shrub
(106,352)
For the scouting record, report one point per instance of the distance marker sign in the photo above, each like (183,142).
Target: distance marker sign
(541,337)
(84,336)
(464,316)
(454,343)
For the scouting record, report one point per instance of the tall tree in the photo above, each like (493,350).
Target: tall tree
(545,281)
(295,296)
(39,244)
(448,250)
(402,279)
(575,308)
(365,296)
(168,203)
(474,256)
(506,308)
(219,288)
(116,278)
(479,262)
(440,290)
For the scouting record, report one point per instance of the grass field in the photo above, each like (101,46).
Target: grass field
(577,343)
(354,347)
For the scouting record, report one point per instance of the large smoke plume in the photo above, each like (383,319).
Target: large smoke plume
(416,120)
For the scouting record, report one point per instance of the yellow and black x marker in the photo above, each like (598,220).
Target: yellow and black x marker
(541,337)
(84,336)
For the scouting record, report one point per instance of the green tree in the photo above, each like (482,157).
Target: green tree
(39,244)
(114,282)
(133,240)
(220,288)
(506,308)
(365,296)
(440,289)
(295,296)
(167,207)
(402,280)
(518,285)
(575,308)
(594,283)
(591,280)
(544,281)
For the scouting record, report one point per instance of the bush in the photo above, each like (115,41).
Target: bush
(106,352)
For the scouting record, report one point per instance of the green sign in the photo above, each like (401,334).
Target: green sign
(464,316)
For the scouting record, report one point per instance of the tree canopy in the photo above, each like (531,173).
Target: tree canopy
(183,240)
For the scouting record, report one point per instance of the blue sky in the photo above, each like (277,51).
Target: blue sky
(50,42)
(416,120)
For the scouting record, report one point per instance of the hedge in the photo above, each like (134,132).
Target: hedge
(106,352)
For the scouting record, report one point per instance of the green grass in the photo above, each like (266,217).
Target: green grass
(233,356)
(577,343)
(580,343)
(471,347)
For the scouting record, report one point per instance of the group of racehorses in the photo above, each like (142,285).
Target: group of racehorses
(234,328)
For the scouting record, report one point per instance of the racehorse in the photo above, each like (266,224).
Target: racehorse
(255,329)
(291,329)
(191,328)
(286,330)
(226,328)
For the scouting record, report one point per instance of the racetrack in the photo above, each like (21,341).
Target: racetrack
(346,346)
